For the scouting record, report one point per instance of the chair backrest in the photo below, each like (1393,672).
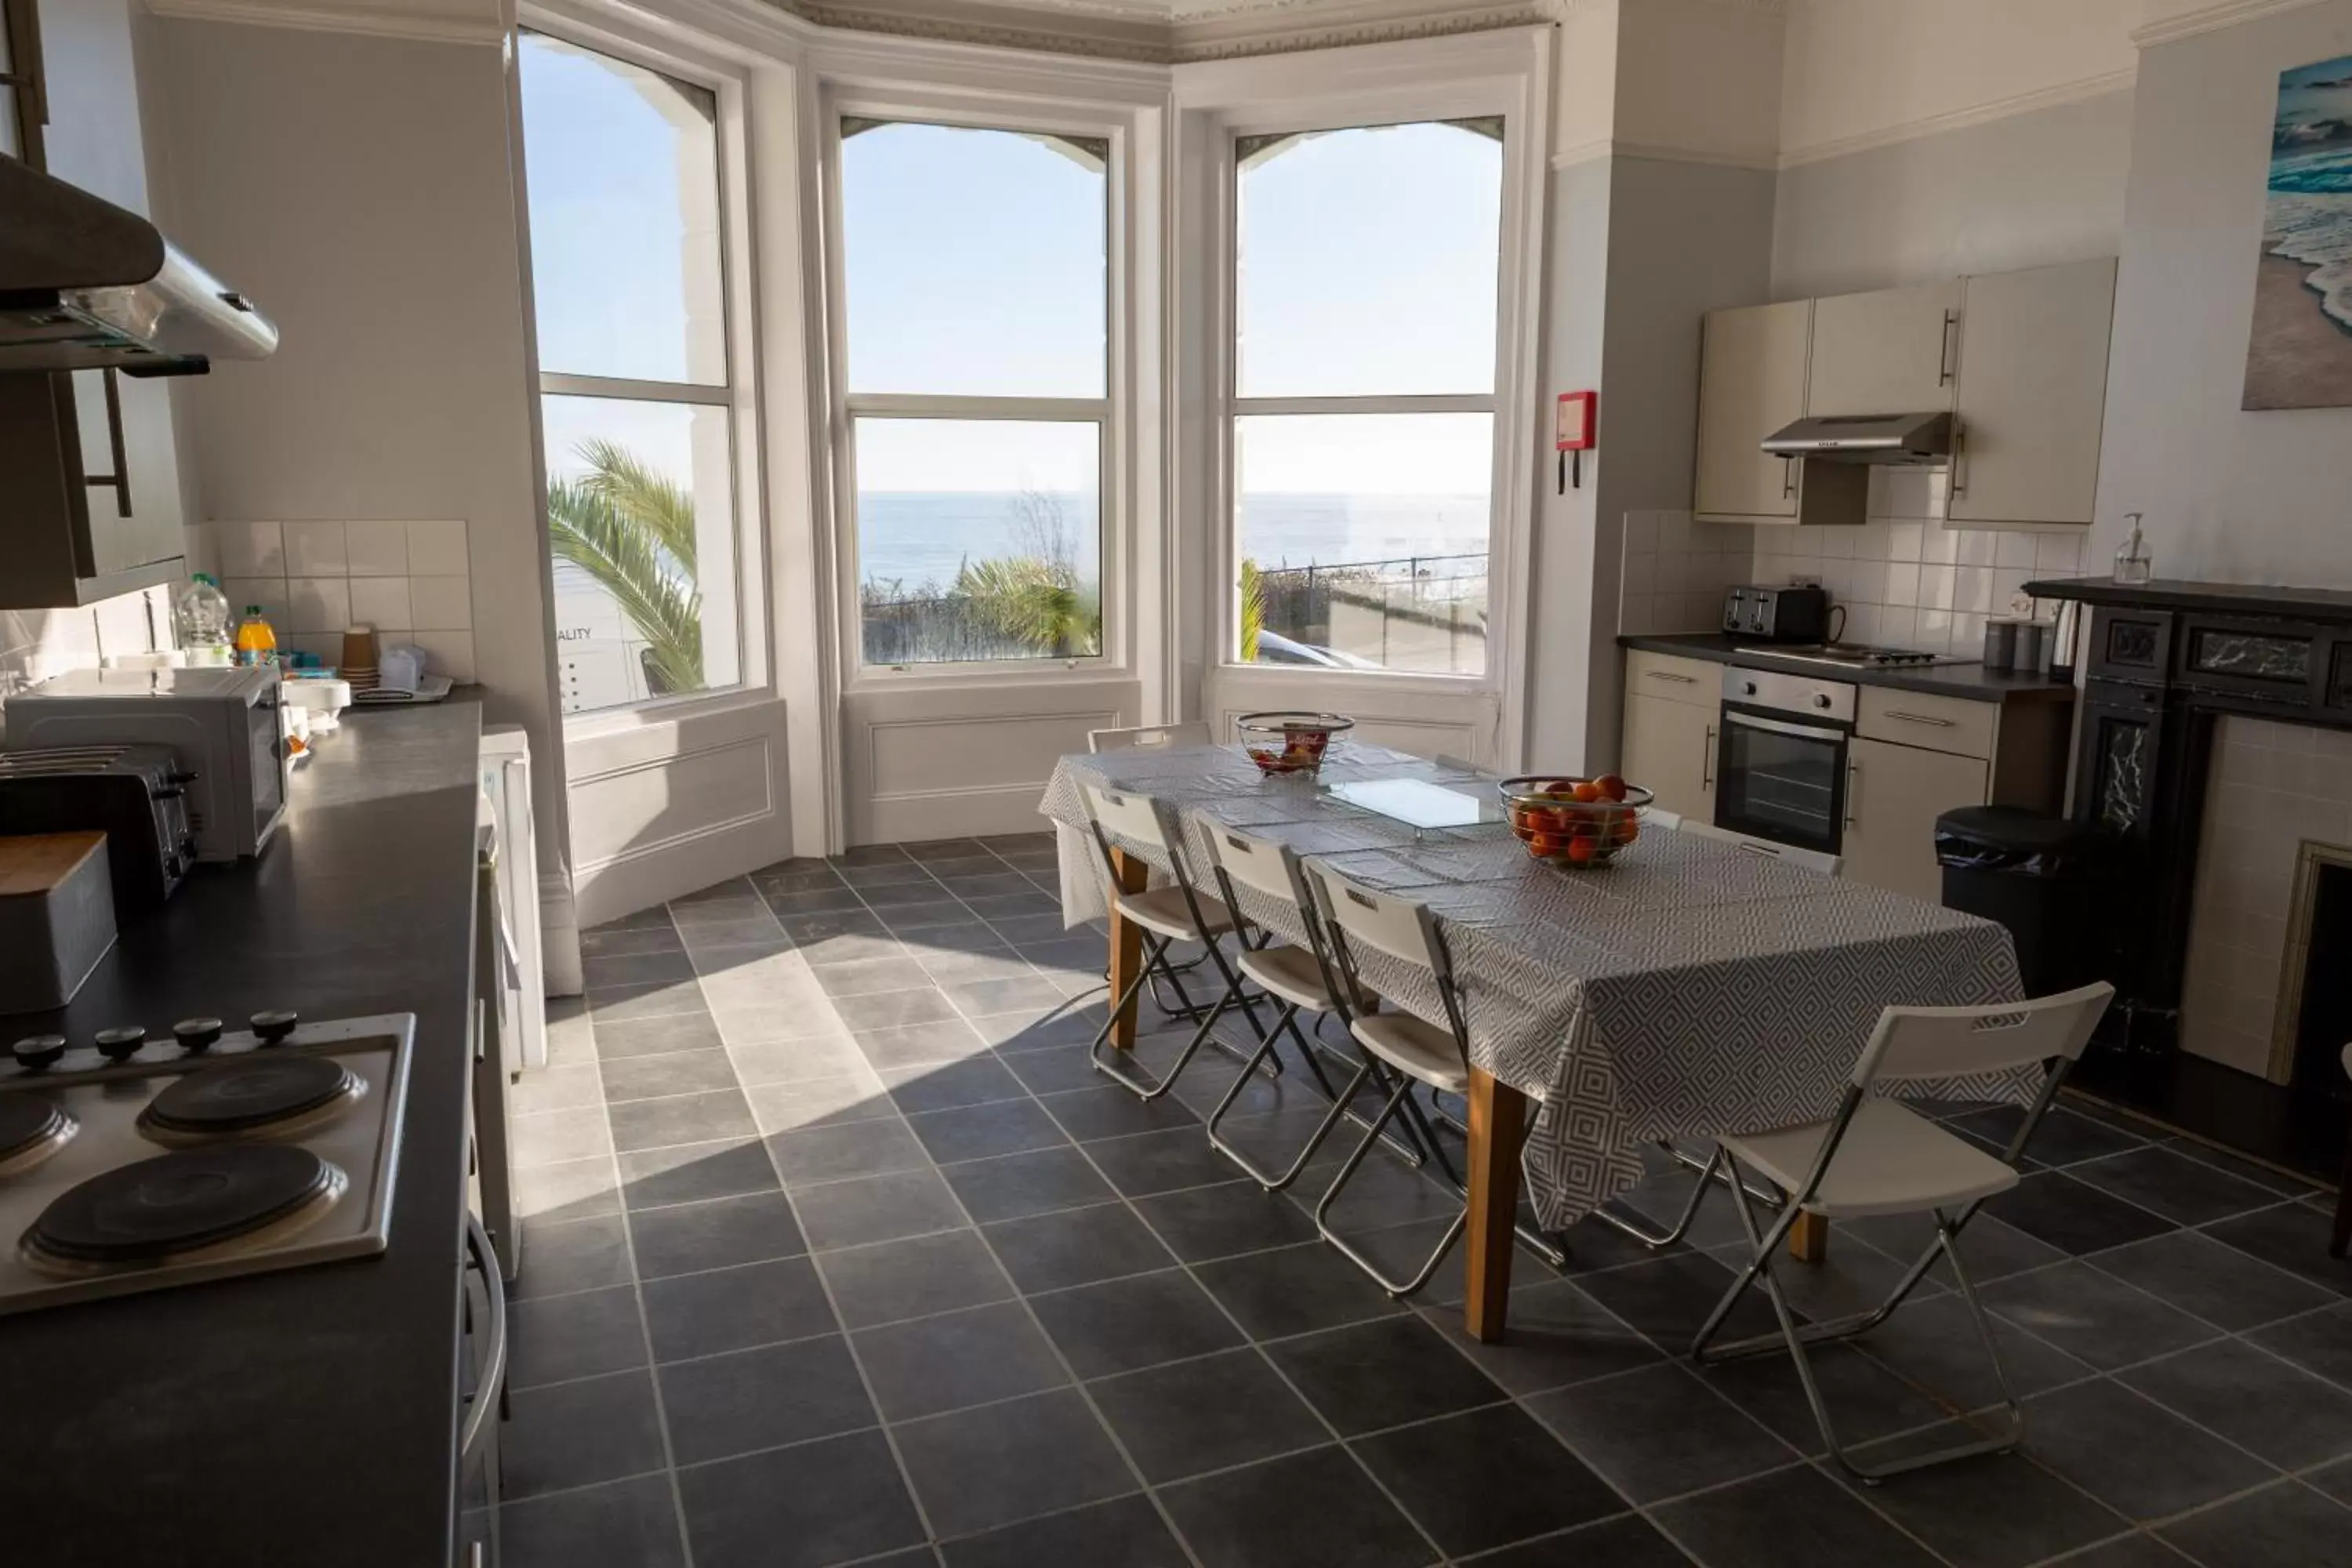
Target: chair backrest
(1132,816)
(1465,763)
(1398,927)
(1954,1042)
(1813,860)
(1260,865)
(1149,737)
(1659,816)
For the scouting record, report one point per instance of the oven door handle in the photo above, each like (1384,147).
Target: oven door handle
(1782,727)
(485,1397)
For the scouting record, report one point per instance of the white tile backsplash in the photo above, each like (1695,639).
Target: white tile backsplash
(37,644)
(250,549)
(437,549)
(1676,569)
(315,550)
(345,574)
(377,549)
(1906,579)
(441,603)
(318,604)
(381,602)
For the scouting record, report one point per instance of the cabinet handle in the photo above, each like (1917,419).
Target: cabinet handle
(1959,458)
(486,1388)
(1706,764)
(1787,477)
(1670,674)
(1852,780)
(1919,718)
(1944,369)
(118,481)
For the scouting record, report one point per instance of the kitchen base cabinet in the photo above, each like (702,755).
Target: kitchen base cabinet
(1670,752)
(1893,796)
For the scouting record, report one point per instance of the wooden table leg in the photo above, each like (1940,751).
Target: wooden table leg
(1126,947)
(1809,1238)
(1498,1116)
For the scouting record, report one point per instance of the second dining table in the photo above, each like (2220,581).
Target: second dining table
(1687,989)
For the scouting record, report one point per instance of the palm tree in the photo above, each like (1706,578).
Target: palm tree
(1253,617)
(632,530)
(1033,601)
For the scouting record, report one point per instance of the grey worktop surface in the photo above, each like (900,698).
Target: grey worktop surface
(307,1415)
(1971,681)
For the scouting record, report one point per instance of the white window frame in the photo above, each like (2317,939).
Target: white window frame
(1118,503)
(673,53)
(1504,73)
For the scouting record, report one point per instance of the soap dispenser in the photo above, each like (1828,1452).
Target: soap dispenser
(2133,564)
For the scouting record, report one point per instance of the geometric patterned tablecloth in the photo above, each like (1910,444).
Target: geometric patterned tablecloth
(1685,989)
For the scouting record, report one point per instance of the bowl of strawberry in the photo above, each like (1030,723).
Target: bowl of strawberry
(1572,821)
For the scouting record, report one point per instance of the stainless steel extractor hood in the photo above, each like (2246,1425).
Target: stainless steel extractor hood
(1917,439)
(85,285)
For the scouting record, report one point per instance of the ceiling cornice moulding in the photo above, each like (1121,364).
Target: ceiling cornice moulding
(2213,19)
(489,26)
(1181,32)
(1959,119)
(1611,147)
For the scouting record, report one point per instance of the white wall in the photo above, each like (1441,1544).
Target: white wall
(2229,495)
(2026,190)
(358,188)
(1857,72)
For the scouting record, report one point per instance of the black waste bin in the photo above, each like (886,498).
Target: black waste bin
(2040,876)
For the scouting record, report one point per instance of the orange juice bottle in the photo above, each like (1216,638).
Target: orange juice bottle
(256,641)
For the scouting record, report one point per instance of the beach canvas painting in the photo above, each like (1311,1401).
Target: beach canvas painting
(2300,354)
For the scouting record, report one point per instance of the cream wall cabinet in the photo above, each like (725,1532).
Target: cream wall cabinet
(2032,394)
(1891,351)
(1752,369)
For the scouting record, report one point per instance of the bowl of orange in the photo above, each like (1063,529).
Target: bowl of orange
(1574,821)
(1284,742)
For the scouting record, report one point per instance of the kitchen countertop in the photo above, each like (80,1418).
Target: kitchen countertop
(1973,682)
(307,1415)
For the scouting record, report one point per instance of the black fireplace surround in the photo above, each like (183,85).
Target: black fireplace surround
(2163,661)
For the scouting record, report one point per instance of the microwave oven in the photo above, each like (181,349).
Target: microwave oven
(222,725)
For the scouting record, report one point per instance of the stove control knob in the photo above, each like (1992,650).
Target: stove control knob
(34,1052)
(1821,699)
(1748,687)
(273,1027)
(196,1035)
(121,1044)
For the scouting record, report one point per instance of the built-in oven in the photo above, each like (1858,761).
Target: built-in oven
(1781,755)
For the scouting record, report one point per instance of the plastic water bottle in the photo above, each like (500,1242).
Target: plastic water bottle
(202,611)
(256,639)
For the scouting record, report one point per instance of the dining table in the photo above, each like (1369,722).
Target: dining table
(1684,989)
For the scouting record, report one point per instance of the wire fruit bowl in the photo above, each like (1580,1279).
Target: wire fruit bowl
(1572,821)
(1284,742)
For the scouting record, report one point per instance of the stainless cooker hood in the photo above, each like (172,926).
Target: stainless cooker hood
(1913,438)
(85,285)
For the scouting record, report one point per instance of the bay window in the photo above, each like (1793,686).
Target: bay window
(1366,275)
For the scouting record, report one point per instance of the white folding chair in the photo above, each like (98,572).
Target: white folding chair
(1876,1157)
(1150,738)
(1411,1049)
(1815,860)
(1298,978)
(1164,915)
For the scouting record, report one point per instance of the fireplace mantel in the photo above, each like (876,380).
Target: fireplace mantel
(2162,662)
(2333,604)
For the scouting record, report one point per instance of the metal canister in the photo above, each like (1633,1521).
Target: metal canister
(2001,645)
(2027,658)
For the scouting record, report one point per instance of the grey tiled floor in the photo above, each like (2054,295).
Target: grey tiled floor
(838,1252)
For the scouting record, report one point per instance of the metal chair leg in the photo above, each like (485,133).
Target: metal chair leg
(1795,1340)
(1340,1101)
(1534,1240)
(1395,1287)
(1651,1235)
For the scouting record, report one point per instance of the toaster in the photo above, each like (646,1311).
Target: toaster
(1778,612)
(136,795)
